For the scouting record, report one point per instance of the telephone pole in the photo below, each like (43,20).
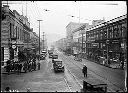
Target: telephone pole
(39,38)
(43,41)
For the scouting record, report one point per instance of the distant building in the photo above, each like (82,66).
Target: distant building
(96,22)
(79,36)
(62,44)
(34,40)
(69,32)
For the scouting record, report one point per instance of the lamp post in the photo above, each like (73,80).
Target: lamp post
(107,43)
(43,42)
(39,38)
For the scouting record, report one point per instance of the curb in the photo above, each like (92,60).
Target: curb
(103,65)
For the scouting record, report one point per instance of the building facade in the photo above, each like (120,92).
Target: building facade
(15,33)
(69,33)
(108,39)
(34,41)
(62,44)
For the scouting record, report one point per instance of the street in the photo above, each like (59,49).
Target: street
(113,77)
(43,80)
(86,41)
(46,80)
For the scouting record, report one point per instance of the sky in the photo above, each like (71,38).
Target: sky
(59,15)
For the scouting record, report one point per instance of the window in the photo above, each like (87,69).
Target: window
(119,29)
(10,30)
(2,53)
(112,32)
(15,31)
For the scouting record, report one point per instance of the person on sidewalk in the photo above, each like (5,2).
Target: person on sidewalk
(7,89)
(38,65)
(84,70)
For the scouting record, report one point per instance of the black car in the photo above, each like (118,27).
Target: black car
(50,55)
(54,56)
(58,65)
(42,57)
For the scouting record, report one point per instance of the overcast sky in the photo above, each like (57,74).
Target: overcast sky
(56,20)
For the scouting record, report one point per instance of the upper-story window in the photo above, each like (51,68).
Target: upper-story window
(101,34)
(115,31)
(124,29)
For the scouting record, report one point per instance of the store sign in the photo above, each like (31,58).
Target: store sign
(95,44)
(13,42)
(13,46)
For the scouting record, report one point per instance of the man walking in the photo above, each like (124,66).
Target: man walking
(84,70)
(38,65)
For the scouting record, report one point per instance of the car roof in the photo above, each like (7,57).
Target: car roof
(57,59)
(54,54)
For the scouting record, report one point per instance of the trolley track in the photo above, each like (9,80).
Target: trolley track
(69,87)
(71,60)
(75,79)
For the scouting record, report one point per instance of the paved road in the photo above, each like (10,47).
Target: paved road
(113,77)
(43,80)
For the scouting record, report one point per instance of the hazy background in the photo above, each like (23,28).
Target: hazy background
(55,21)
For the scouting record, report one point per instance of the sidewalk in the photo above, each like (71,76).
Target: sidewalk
(113,65)
(3,70)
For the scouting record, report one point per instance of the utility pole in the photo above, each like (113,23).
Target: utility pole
(39,38)
(43,41)
(26,8)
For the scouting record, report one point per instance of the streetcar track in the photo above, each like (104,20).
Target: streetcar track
(96,74)
(75,78)
(67,84)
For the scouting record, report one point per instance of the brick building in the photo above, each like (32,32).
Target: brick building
(15,34)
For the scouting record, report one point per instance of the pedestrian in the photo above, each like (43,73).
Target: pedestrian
(20,67)
(38,65)
(29,66)
(122,65)
(84,70)
(8,68)
(8,62)
(25,67)
(15,67)
(34,66)
(7,89)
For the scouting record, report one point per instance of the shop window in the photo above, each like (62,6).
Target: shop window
(2,53)
(10,30)
(124,31)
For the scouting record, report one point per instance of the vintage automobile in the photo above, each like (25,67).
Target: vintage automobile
(50,55)
(58,65)
(44,52)
(54,56)
(42,57)
(50,52)
(95,86)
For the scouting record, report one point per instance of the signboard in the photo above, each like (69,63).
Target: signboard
(13,46)
(95,44)
(13,42)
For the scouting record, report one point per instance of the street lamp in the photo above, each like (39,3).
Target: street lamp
(43,41)
(39,38)
(107,42)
